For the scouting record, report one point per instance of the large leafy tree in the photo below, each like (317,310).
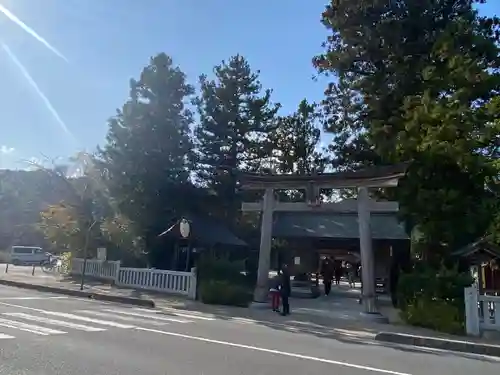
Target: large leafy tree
(60,225)
(148,155)
(417,81)
(66,230)
(87,217)
(236,118)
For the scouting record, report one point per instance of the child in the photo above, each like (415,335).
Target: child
(275,299)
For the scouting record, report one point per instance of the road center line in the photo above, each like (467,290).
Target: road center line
(272,351)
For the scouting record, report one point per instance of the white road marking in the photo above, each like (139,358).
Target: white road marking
(61,323)
(119,317)
(148,316)
(70,316)
(273,351)
(2,336)
(32,298)
(243,320)
(29,327)
(181,313)
(85,319)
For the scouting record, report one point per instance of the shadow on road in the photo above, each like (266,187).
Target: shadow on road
(350,333)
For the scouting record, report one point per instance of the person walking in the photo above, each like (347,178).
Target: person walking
(337,270)
(338,273)
(285,290)
(327,273)
(360,301)
(351,274)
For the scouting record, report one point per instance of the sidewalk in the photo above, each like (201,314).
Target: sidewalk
(337,316)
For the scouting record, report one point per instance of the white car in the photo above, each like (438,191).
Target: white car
(28,255)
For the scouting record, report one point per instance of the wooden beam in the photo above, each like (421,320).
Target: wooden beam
(383,182)
(375,176)
(252,207)
(348,205)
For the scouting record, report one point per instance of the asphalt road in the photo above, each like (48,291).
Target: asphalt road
(45,334)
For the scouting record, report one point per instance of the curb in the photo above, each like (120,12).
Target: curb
(436,343)
(81,293)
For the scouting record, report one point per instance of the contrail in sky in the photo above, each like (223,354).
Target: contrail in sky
(7,13)
(35,87)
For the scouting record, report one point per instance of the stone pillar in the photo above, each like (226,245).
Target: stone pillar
(472,322)
(262,287)
(366,252)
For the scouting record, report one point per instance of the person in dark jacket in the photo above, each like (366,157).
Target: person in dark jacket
(338,272)
(285,289)
(327,273)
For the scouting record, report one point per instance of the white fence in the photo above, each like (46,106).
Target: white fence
(482,312)
(175,282)
(96,268)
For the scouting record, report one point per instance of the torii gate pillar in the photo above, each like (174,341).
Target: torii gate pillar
(266,227)
(366,252)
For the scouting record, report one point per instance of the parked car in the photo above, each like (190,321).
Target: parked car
(28,255)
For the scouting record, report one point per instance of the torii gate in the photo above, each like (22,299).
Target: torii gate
(376,177)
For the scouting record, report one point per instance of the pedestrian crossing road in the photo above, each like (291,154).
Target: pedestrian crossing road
(43,322)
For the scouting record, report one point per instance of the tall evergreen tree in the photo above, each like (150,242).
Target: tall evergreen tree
(417,81)
(296,140)
(236,117)
(149,151)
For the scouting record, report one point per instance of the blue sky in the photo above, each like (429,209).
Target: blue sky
(83,53)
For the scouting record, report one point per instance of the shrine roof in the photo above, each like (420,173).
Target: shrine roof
(328,225)
(482,248)
(205,230)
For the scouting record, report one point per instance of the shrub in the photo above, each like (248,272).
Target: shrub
(222,269)
(434,298)
(65,262)
(221,292)
(251,267)
(434,314)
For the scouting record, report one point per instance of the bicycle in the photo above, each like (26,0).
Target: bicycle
(53,265)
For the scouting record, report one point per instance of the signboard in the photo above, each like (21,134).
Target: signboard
(101,253)
(296,261)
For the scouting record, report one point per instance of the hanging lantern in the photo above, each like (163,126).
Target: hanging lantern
(184,228)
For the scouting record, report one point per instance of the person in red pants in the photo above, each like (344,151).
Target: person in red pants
(275,299)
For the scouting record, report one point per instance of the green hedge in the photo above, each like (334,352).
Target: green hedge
(224,282)
(223,292)
(222,269)
(433,298)
(438,315)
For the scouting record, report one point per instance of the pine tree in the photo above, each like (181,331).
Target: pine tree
(236,117)
(149,151)
(296,140)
